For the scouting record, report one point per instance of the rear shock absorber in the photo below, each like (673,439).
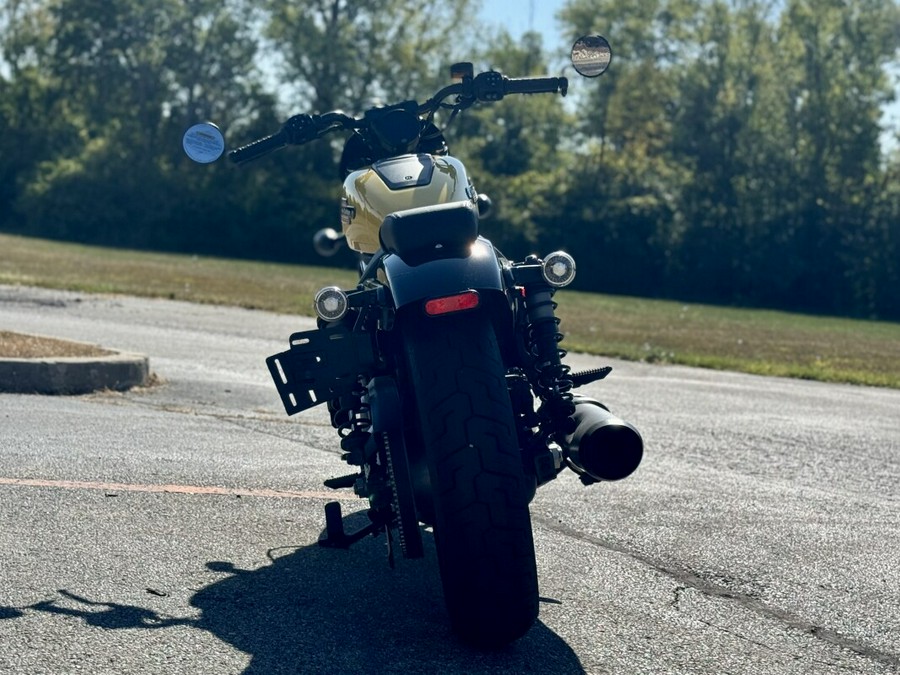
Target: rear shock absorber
(554,384)
(350,416)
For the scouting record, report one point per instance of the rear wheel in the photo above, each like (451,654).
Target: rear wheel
(482,526)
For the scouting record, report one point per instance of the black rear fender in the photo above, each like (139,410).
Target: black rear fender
(479,271)
(412,286)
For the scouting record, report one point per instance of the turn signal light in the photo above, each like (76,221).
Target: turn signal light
(331,303)
(558,269)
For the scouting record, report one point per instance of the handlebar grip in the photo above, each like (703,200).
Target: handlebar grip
(256,149)
(536,85)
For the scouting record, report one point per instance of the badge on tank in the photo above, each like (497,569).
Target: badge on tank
(348,213)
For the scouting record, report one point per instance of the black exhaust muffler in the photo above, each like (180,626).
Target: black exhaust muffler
(602,447)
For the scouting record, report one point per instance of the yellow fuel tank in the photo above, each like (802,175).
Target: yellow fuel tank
(397,184)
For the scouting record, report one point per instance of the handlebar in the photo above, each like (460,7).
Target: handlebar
(258,148)
(297,130)
(487,86)
(537,85)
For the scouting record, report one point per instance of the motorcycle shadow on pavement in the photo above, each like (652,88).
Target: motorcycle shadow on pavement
(315,610)
(327,610)
(10,612)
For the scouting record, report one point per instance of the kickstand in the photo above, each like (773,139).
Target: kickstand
(335,537)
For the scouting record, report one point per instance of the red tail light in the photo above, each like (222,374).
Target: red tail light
(452,303)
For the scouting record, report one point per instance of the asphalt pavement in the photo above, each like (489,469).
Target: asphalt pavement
(172,528)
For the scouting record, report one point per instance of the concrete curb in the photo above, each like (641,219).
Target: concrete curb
(74,375)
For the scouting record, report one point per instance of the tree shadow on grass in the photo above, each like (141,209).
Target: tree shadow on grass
(322,610)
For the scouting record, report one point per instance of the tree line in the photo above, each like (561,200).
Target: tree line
(733,153)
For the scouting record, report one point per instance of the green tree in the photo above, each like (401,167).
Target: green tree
(349,53)
(837,87)
(33,124)
(746,134)
(782,141)
(129,76)
(724,133)
(624,182)
(515,149)
(352,54)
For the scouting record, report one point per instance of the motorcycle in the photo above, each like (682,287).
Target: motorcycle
(442,370)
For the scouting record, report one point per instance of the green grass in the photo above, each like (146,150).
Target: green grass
(753,341)
(280,288)
(764,342)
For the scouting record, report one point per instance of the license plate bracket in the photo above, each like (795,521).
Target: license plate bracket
(321,365)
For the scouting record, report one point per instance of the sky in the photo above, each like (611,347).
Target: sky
(519,16)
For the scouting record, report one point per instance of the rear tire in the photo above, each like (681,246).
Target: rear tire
(482,526)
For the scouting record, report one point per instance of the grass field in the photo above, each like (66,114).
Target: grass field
(754,341)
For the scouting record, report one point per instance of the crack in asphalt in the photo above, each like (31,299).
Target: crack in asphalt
(33,301)
(688,580)
(685,579)
(676,599)
(241,421)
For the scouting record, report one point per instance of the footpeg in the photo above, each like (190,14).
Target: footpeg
(347,481)
(588,376)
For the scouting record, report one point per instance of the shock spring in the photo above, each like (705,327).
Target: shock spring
(350,413)
(554,385)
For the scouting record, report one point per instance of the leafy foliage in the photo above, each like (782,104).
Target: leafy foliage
(731,154)
(751,131)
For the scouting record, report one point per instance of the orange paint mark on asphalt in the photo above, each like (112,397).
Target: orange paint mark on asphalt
(172,489)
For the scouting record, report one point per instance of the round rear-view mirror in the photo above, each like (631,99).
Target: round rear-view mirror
(203,143)
(591,55)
